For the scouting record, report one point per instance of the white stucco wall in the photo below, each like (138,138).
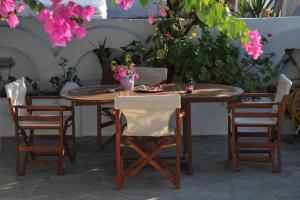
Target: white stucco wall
(35,57)
(290,8)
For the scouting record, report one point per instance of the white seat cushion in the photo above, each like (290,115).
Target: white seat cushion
(168,133)
(253,121)
(43,123)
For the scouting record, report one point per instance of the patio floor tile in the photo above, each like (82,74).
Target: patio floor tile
(92,177)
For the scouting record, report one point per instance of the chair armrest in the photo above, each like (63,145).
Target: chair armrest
(236,110)
(42,108)
(270,95)
(43,97)
(30,98)
(253,105)
(116,112)
(182,113)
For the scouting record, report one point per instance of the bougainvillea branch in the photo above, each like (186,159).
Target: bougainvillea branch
(214,14)
(63,22)
(9,10)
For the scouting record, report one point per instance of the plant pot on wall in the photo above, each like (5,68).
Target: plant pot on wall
(105,56)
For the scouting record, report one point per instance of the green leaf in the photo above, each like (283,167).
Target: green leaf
(144,2)
(205,2)
(219,10)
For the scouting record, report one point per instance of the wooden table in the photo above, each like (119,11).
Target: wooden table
(98,95)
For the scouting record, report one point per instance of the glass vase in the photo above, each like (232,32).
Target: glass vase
(127,83)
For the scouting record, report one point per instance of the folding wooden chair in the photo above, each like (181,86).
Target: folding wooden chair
(147,118)
(27,119)
(151,75)
(266,118)
(147,75)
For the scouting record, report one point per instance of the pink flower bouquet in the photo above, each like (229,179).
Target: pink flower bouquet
(125,74)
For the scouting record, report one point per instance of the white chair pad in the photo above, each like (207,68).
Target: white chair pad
(43,123)
(253,121)
(161,134)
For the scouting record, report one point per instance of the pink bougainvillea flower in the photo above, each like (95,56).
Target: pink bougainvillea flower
(163,11)
(21,7)
(167,37)
(125,4)
(136,76)
(8,11)
(61,23)
(86,13)
(120,72)
(81,32)
(7,6)
(151,19)
(13,20)
(254,46)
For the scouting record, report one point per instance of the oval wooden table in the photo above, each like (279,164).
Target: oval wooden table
(99,95)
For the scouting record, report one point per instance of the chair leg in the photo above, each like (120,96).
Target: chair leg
(118,168)
(177,181)
(73,143)
(272,150)
(119,162)
(279,148)
(150,156)
(279,160)
(18,172)
(99,134)
(237,151)
(235,166)
(73,135)
(229,140)
(70,152)
(60,169)
(31,143)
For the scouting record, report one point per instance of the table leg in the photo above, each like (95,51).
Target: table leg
(229,139)
(99,134)
(187,135)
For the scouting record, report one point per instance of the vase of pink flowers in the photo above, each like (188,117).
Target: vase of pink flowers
(125,74)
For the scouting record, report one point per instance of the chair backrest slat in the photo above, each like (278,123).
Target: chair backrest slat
(16,92)
(148,115)
(151,75)
(283,89)
(65,91)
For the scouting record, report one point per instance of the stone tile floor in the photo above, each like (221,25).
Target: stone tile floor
(92,177)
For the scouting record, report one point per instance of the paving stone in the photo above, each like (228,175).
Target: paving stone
(93,177)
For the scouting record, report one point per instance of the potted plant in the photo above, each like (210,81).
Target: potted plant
(125,74)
